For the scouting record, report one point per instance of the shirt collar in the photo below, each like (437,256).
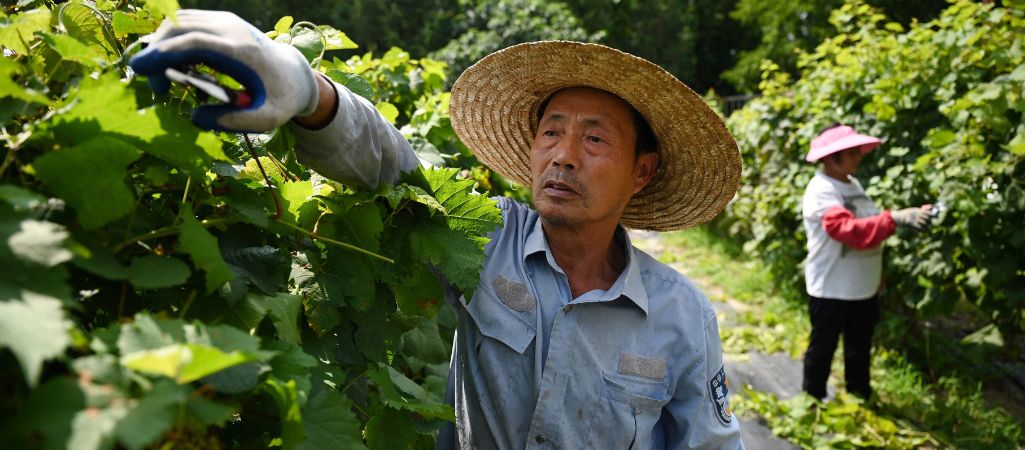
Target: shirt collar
(628,284)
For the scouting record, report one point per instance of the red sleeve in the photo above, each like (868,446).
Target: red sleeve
(859,234)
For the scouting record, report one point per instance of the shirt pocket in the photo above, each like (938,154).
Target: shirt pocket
(627,411)
(496,320)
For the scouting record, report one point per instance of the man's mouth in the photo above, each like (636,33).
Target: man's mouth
(558,188)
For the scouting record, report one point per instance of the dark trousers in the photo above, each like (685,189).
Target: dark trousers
(855,320)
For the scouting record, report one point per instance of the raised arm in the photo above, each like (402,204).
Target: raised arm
(346,139)
(340,134)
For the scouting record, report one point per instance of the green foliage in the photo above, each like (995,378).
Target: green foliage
(156,291)
(843,423)
(946,97)
(907,412)
(496,24)
(786,30)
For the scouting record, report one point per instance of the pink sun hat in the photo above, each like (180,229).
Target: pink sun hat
(839,138)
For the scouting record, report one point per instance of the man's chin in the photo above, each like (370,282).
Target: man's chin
(558,216)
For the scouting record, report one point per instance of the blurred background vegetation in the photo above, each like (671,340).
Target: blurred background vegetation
(707,44)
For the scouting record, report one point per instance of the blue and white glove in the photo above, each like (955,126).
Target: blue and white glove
(276,75)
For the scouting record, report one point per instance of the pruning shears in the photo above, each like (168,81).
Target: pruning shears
(209,87)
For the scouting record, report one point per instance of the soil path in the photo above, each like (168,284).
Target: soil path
(778,373)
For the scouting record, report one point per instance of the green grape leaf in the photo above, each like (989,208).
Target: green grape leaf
(249,202)
(91,177)
(35,330)
(283,309)
(156,272)
(247,312)
(355,83)
(145,333)
(83,25)
(292,363)
(22,200)
(425,343)
(208,412)
(388,111)
(336,40)
(8,88)
(295,194)
(251,170)
(184,363)
(39,242)
(347,278)
(420,293)
(180,143)
(263,267)
(93,428)
(72,49)
(101,261)
(126,23)
(202,247)
(398,194)
(390,429)
(464,210)
(19,30)
(321,314)
(329,423)
(236,379)
(416,400)
(152,416)
(287,398)
(309,42)
(284,24)
(459,257)
(161,8)
(108,104)
(44,420)
(361,226)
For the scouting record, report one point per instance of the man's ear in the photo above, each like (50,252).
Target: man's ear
(644,170)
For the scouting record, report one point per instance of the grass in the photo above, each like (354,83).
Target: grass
(906,411)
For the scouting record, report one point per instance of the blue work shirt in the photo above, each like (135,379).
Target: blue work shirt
(637,366)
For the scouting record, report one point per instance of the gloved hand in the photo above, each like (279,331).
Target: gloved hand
(917,217)
(276,75)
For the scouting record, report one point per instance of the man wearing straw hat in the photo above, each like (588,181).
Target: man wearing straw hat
(573,339)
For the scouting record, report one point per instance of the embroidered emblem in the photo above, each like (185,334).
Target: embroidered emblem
(718,389)
(513,294)
(640,366)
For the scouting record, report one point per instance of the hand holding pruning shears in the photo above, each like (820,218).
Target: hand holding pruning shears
(277,80)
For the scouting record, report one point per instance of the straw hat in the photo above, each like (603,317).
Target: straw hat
(494,110)
(839,138)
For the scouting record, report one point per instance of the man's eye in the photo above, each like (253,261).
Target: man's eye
(550,133)
(595,139)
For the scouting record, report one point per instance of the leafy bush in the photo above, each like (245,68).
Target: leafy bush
(947,98)
(161,286)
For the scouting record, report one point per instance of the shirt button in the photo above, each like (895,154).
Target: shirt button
(567,308)
(637,411)
(539,439)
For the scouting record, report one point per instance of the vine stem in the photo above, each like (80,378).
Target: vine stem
(167,231)
(8,160)
(337,243)
(188,303)
(277,204)
(185,196)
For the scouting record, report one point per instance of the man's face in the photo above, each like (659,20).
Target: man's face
(583,162)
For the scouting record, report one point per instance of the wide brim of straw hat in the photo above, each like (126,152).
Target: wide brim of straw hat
(494,110)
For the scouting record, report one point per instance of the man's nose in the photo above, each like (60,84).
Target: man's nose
(567,153)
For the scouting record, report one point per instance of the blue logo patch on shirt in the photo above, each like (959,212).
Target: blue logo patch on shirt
(719,392)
